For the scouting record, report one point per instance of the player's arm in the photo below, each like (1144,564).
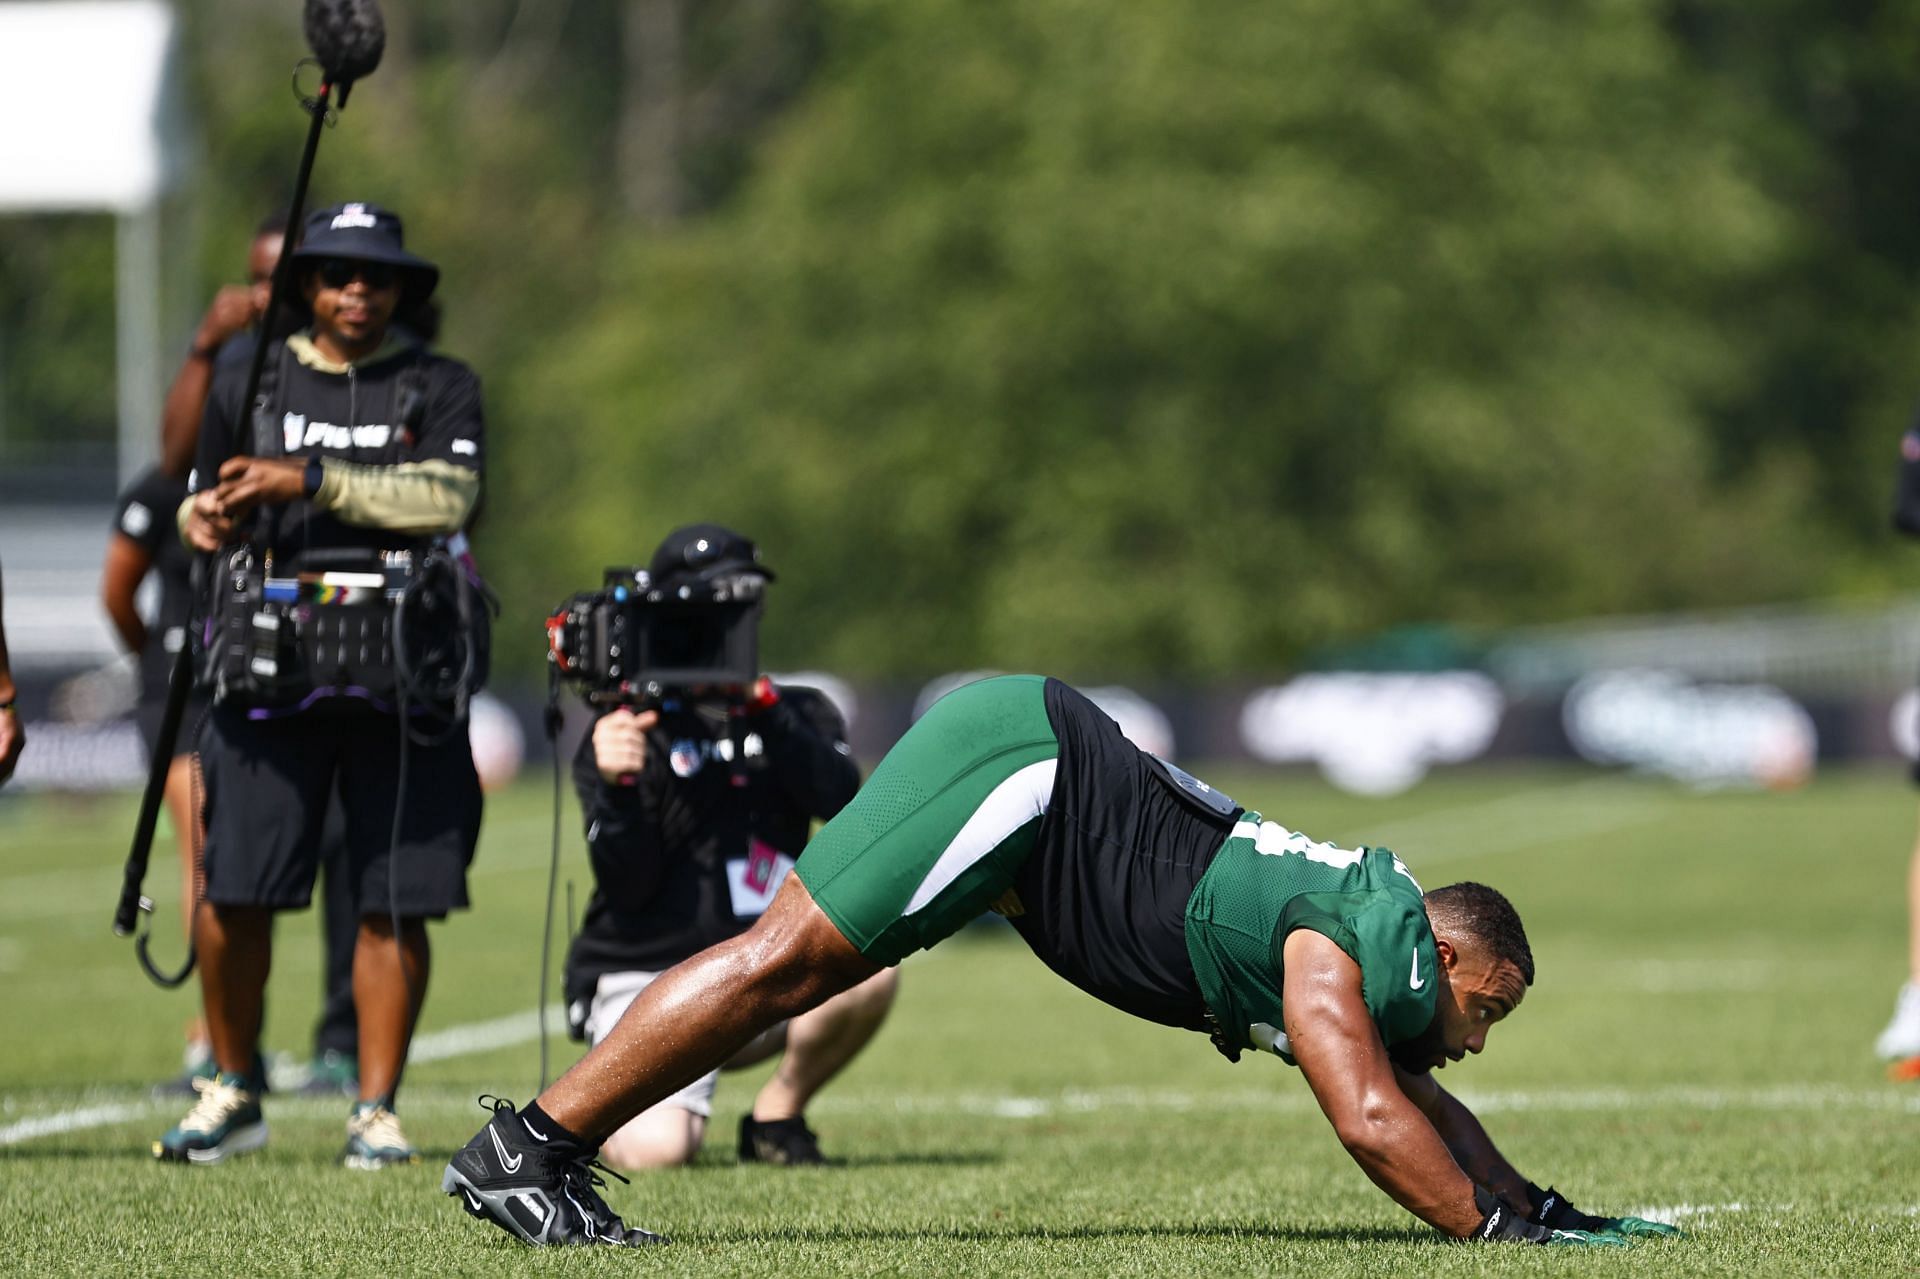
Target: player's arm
(126,566)
(1461,1129)
(1464,1136)
(233,308)
(204,520)
(1346,1064)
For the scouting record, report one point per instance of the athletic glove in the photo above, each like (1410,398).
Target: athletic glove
(1551,1209)
(1503,1222)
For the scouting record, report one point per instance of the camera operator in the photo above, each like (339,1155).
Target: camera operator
(689,844)
(362,442)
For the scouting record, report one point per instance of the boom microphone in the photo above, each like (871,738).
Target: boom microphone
(348,37)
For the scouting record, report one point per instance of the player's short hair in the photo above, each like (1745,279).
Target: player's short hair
(1482,913)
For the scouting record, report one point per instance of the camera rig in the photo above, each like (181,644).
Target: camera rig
(389,626)
(638,640)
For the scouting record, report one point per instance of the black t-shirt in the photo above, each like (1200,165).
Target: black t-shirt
(144,513)
(1119,851)
(691,853)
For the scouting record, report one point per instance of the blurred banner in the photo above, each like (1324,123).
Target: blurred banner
(1758,699)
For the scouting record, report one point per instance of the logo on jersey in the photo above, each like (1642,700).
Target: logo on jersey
(327,435)
(1416,981)
(293,429)
(136,519)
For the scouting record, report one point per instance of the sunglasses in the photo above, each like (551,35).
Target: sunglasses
(338,273)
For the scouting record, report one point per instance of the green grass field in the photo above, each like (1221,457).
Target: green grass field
(1712,971)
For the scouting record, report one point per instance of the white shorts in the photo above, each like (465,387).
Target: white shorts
(614,991)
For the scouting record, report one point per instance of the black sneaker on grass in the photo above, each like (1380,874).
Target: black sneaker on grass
(225,1121)
(538,1188)
(779,1141)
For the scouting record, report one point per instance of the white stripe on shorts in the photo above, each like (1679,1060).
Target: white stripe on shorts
(1008,807)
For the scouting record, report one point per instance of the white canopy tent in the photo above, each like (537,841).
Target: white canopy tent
(89,122)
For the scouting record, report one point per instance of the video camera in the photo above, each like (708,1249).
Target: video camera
(639,639)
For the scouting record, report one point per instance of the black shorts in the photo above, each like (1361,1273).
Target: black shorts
(152,710)
(267,788)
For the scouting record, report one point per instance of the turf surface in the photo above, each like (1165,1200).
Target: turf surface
(1712,971)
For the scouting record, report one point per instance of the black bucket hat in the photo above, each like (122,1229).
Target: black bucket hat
(701,550)
(365,233)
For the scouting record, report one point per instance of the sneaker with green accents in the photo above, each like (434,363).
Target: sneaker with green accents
(225,1121)
(374,1139)
(331,1073)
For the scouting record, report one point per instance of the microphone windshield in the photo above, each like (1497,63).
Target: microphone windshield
(348,36)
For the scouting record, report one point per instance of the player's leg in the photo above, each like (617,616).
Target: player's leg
(410,834)
(819,1045)
(178,795)
(335,1067)
(699,1013)
(932,839)
(669,1134)
(389,986)
(260,780)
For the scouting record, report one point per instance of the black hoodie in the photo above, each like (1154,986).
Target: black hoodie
(384,484)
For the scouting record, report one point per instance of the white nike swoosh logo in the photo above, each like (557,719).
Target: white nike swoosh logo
(1414,982)
(535,1132)
(510,1162)
(472,1199)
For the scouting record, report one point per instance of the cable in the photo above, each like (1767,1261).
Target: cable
(393,889)
(553,865)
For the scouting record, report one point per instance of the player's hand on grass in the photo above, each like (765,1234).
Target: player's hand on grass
(1501,1222)
(1551,1209)
(1585,1239)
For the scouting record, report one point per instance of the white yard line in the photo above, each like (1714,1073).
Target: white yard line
(485,1036)
(74,1120)
(438,1045)
(518,1028)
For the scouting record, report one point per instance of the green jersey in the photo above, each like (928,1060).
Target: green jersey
(1265,882)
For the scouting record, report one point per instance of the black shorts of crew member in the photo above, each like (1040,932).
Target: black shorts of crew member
(151,710)
(268,782)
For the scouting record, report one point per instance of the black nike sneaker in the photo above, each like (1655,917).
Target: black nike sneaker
(779,1141)
(540,1189)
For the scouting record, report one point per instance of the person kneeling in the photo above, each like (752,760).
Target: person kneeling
(689,846)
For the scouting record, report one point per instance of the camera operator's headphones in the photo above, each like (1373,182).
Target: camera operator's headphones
(698,552)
